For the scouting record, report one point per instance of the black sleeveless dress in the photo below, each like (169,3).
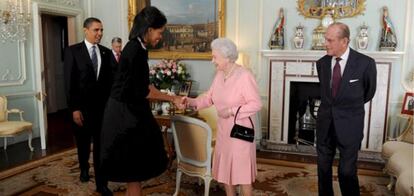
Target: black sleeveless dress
(132,146)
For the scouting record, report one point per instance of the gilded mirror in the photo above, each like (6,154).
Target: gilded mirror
(338,8)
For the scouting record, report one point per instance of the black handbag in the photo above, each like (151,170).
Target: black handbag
(242,132)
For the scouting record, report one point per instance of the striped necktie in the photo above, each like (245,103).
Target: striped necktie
(94,59)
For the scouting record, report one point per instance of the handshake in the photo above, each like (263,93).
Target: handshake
(186,102)
(181,102)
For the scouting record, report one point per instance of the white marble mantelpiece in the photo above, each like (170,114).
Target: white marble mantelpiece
(316,54)
(286,66)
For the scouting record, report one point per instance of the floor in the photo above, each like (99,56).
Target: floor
(60,138)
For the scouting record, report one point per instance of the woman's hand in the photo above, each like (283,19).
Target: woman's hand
(179,102)
(189,102)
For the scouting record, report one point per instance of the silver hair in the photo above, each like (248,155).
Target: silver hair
(226,47)
(117,40)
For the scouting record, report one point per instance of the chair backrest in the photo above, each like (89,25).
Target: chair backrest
(3,108)
(210,116)
(192,138)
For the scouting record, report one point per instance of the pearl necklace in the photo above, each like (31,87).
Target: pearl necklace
(229,73)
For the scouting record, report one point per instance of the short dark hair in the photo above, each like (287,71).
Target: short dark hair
(149,17)
(116,39)
(87,23)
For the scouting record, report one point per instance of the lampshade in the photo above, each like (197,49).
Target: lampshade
(243,60)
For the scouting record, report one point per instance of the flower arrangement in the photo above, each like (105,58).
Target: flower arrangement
(167,73)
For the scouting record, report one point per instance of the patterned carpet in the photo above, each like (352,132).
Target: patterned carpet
(58,175)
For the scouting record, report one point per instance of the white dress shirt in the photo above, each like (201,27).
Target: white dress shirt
(98,54)
(342,62)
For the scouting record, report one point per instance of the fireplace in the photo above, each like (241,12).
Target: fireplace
(290,73)
(302,95)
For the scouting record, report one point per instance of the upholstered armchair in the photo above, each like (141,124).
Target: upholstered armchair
(192,138)
(12,128)
(210,116)
(398,154)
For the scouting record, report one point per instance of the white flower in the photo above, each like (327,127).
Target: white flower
(168,72)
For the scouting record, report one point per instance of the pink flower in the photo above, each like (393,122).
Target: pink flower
(168,72)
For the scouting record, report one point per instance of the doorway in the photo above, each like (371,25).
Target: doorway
(54,38)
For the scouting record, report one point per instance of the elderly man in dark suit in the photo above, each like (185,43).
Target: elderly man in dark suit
(347,81)
(116,45)
(88,76)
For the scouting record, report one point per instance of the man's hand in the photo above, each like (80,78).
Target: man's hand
(179,102)
(78,117)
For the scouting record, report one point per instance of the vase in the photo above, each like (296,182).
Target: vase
(165,85)
(362,38)
(298,40)
(165,108)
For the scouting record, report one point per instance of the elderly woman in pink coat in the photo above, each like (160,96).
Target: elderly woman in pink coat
(234,161)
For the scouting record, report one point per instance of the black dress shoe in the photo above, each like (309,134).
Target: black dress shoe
(84,176)
(104,191)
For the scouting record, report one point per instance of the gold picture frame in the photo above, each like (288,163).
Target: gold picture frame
(339,9)
(408,104)
(196,47)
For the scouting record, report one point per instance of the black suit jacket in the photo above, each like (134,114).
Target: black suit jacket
(346,110)
(84,90)
(114,63)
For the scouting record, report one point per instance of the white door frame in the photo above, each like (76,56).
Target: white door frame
(39,8)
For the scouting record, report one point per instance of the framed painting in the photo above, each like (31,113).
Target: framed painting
(192,25)
(408,104)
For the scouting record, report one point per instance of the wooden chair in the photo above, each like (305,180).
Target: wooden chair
(9,128)
(192,138)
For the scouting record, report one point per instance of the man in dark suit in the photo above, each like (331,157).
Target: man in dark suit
(116,45)
(88,76)
(347,81)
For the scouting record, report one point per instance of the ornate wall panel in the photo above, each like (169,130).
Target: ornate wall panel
(12,64)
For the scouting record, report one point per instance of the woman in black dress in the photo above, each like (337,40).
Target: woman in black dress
(132,145)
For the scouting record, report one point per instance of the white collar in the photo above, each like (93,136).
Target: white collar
(142,44)
(345,55)
(89,45)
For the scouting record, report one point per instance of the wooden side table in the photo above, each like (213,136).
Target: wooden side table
(164,121)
